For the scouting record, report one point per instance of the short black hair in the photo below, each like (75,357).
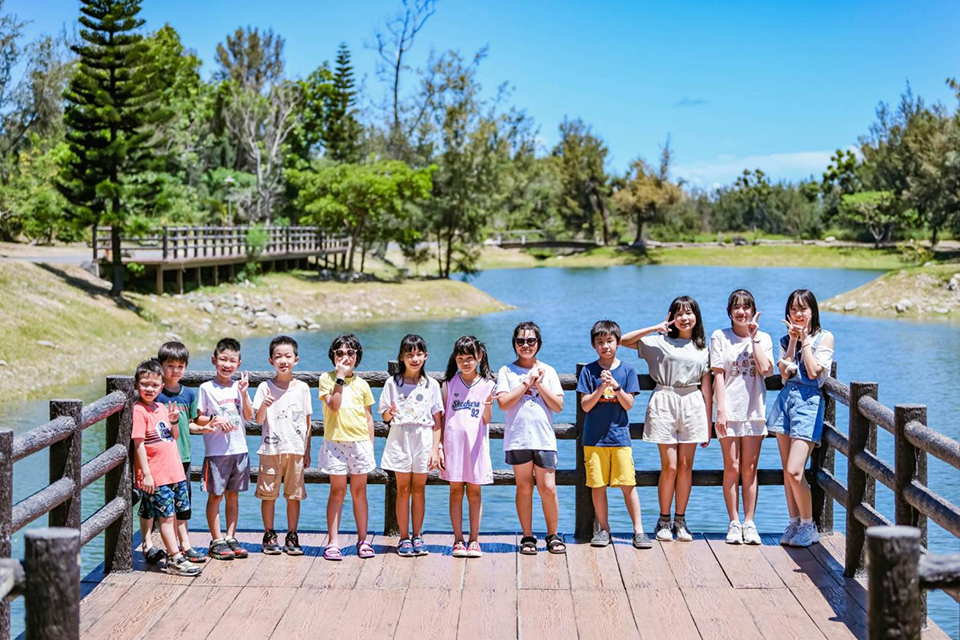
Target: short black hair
(529,325)
(147,366)
(349,341)
(604,328)
(806,299)
(281,340)
(173,351)
(227,344)
(741,297)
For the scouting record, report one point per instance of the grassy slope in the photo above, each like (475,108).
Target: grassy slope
(95,334)
(925,287)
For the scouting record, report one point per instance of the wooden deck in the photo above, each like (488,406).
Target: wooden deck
(703,589)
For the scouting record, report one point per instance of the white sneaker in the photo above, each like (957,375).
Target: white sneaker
(750,534)
(734,533)
(662,531)
(680,531)
(807,535)
(787,538)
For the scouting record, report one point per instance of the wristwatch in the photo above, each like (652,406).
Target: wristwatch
(339,381)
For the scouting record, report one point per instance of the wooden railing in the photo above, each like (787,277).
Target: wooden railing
(184,243)
(914,501)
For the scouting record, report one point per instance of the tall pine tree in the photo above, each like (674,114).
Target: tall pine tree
(342,132)
(108,116)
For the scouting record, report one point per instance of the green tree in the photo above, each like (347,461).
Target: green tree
(841,178)
(876,211)
(586,185)
(646,193)
(753,189)
(110,105)
(367,200)
(341,130)
(306,139)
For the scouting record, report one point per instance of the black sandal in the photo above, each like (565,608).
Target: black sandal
(553,542)
(528,546)
(154,555)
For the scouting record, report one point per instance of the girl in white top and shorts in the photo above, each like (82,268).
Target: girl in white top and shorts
(678,414)
(741,357)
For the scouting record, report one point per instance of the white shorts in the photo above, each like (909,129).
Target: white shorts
(676,416)
(347,458)
(747,428)
(408,449)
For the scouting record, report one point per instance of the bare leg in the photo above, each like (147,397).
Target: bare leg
(476,510)
(168,534)
(183,535)
(233,512)
(213,516)
(456,509)
(403,503)
(685,474)
(599,495)
(419,501)
(338,491)
(267,508)
(730,448)
(524,477)
(800,450)
(668,476)
(547,488)
(632,498)
(783,444)
(358,494)
(293,514)
(749,458)
(146,532)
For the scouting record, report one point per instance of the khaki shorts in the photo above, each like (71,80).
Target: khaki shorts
(676,416)
(282,467)
(609,466)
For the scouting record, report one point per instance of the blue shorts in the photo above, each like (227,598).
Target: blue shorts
(539,457)
(166,501)
(797,412)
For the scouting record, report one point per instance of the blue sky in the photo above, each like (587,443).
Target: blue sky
(773,85)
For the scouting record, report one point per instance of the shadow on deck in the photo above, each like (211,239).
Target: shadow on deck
(702,589)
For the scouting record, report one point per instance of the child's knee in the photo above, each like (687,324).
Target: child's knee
(338,492)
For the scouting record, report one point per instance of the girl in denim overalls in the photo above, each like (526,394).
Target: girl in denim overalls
(806,354)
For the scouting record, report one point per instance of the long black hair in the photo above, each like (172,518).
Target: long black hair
(468,346)
(806,299)
(686,302)
(410,343)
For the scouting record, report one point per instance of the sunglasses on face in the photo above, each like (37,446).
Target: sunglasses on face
(530,342)
(341,353)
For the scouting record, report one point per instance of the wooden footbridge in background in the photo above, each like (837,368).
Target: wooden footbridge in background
(701,589)
(210,249)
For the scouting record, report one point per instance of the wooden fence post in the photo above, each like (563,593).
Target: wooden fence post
(910,463)
(893,588)
(6,517)
(118,537)
(166,243)
(65,462)
(860,487)
(52,567)
(391,526)
(585,517)
(824,457)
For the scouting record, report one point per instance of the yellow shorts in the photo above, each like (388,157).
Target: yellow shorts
(286,468)
(609,466)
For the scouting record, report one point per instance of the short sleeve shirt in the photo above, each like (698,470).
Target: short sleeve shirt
(286,425)
(349,423)
(673,362)
(152,425)
(607,424)
(529,422)
(186,399)
(821,353)
(223,401)
(416,403)
(744,387)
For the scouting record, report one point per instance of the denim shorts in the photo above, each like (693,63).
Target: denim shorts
(539,457)
(797,412)
(167,501)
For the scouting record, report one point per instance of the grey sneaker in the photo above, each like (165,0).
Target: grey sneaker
(787,538)
(641,541)
(600,539)
(807,535)
(180,566)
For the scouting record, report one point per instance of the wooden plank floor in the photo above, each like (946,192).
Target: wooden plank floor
(702,589)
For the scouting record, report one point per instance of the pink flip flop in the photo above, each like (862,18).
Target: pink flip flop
(332,553)
(364,550)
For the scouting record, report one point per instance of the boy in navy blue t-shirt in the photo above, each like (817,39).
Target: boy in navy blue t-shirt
(607,387)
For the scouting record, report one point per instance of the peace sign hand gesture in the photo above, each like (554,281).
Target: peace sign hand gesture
(244,382)
(488,401)
(753,327)
(793,330)
(173,412)
(664,326)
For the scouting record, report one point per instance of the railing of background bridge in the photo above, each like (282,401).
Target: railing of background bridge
(61,499)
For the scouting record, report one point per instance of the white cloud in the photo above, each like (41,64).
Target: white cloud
(778,166)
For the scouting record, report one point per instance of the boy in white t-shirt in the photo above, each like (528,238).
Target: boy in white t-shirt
(283,406)
(223,405)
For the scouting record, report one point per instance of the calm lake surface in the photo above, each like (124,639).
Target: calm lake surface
(912,362)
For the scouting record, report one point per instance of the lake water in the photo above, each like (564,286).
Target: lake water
(912,362)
